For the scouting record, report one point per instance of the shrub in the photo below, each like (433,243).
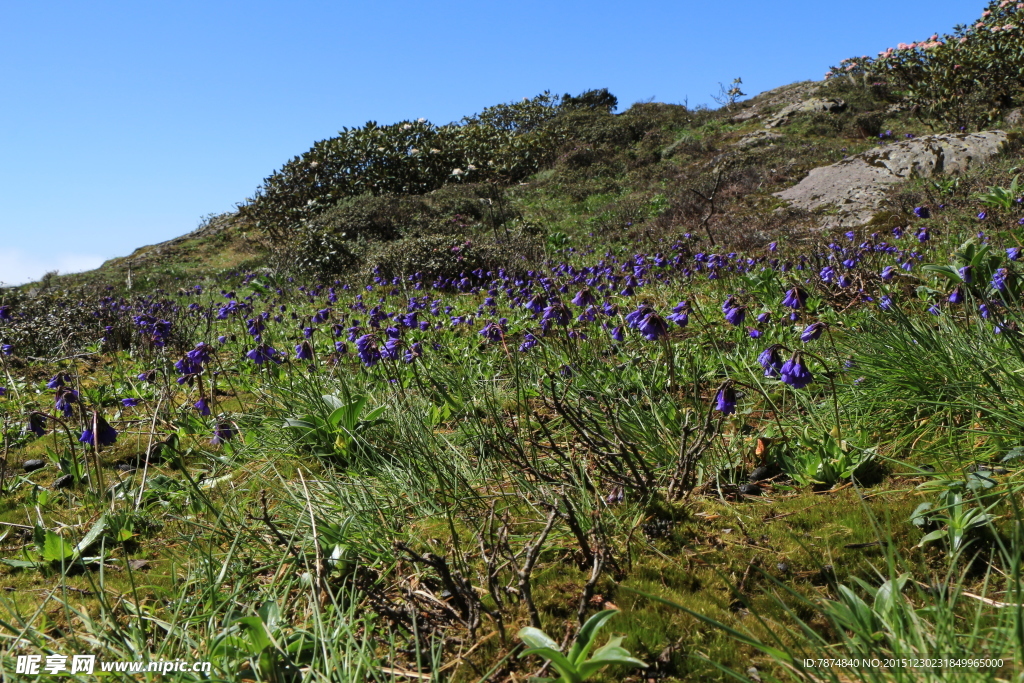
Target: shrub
(449,256)
(506,142)
(964,78)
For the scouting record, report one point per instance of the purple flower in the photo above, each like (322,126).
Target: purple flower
(529,341)
(922,212)
(130,402)
(795,298)
(492,331)
(812,332)
(966,274)
(105,436)
(754,332)
(794,373)
(885,303)
(556,313)
(725,401)
(3,391)
(956,296)
(983,215)
(1013,253)
(618,334)
(736,315)
(65,397)
(7,349)
(37,424)
(5,313)
(653,326)
(765,317)
(770,361)
(304,351)
(222,432)
(202,406)
(584,298)
(366,349)
(413,352)
(999,279)
(263,353)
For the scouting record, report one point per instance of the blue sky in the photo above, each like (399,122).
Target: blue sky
(124,123)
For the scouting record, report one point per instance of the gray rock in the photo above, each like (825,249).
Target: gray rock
(65,482)
(33,465)
(745,115)
(759,473)
(1015,117)
(855,188)
(758,138)
(811,106)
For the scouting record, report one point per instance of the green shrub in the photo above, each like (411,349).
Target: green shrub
(964,79)
(450,256)
(506,142)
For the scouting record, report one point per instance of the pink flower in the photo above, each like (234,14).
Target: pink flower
(986,13)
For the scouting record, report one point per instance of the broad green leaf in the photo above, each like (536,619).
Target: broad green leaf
(558,660)
(535,638)
(585,638)
(90,538)
(256,632)
(55,548)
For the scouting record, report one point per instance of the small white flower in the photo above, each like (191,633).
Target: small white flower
(458,171)
(414,151)
(435,151)
(471,167)
(421,120)
(407,126)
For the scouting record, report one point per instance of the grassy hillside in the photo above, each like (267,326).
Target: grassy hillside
(388,416)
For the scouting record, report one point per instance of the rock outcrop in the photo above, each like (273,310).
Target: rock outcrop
(811,106)
(854,188)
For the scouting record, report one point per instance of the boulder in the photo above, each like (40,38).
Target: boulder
(1015,117)
(854,188)
(758,138)
(818,104)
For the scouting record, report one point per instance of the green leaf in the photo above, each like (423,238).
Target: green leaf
(933,536)
(558,660)
(585,638)
(536,638)
(1014,454)
(91,536)
(256,632)
(19,564)
(55,548)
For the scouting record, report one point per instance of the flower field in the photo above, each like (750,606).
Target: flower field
(746,444)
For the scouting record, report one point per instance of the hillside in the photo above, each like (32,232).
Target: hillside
(437,402)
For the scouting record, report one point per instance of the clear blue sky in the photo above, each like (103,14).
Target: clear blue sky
(123,123)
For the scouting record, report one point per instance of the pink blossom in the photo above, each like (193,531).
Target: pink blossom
(986,13)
